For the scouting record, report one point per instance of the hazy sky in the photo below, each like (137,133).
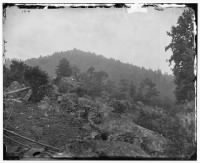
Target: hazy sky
(138,38)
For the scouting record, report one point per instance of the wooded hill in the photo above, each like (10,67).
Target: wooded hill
(115,69)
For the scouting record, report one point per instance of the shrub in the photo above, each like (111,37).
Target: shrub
(63,87)
(120,106)
(38,80)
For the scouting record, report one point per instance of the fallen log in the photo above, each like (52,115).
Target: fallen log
(31,140)
(16,91)
(15,100)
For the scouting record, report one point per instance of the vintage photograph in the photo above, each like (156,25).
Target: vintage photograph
(99,81)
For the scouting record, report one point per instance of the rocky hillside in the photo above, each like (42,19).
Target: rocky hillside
(87,127)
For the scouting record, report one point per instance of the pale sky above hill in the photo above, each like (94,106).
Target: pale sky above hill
(138,38)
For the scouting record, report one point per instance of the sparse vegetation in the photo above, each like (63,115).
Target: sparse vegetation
(107,109)
(92,102)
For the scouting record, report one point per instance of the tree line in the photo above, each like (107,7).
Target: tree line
(97,83)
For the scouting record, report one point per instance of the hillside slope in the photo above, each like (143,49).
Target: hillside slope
(116,69)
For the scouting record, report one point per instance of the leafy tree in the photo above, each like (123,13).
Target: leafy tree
(123,88)
(17,69)
(6,76)
(100,76)
(147,90)
(97,82)
(75,71)
(132,91)
(63,68)
(183,49)
(93,81)
(14,73)
(38,81)
(91,70)
(109,86)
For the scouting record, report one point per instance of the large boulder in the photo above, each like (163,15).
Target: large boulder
(14,86)
(86,102)
(148,139)
(105,110)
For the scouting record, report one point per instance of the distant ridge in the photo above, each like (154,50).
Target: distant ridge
(116,69)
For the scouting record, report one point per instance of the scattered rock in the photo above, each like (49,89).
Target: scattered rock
(85,102)
(46,114)
(32,153)
(140,103)
(126,137)
(95,118)
(56,108)
(82,148)
(120,149)
(106,110)
(107,128)
(44,104)
(29,117)
(93,134)
(121,126)
(82,114)
(59,99)
(55,89)
(67,104)
(87,127)
(62,155)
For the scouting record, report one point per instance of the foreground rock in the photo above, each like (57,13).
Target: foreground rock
(100,148)
(120,149)
(14,86)
(122,126)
